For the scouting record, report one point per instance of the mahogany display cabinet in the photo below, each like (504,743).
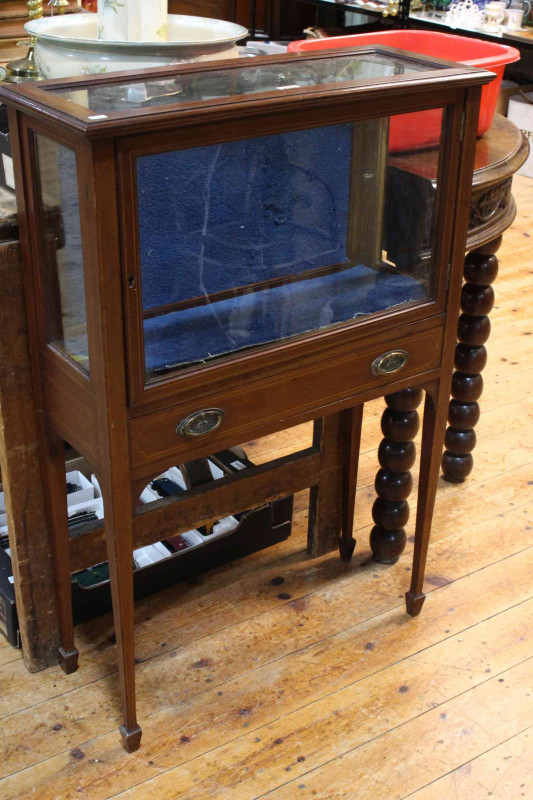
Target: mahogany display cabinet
(213,253)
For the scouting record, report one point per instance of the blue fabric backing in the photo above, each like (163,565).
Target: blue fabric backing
(213,218)
(203,332)
(234,214)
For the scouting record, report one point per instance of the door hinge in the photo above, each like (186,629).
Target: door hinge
(462,130)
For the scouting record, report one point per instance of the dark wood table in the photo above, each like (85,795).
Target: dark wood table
(499,154)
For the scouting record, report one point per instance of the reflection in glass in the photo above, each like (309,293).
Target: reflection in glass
(63,260)
(249,79)
(249,242)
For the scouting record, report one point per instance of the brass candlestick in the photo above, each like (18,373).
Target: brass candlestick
(35,9)
(25,69)
(60,5)
(392,9)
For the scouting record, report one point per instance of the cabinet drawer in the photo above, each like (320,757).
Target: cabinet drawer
(156,437)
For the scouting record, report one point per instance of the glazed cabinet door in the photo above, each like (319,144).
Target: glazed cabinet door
(60,252)
(274,239)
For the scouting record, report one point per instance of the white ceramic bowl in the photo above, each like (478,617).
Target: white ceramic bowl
(69,45)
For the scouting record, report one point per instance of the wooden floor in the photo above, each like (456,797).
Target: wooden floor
(280,677)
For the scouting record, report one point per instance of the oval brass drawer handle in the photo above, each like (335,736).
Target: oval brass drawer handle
(389,363)
(201,422)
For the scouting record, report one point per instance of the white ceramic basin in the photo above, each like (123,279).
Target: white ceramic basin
(69,45)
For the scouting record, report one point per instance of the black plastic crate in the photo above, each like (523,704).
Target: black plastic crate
(258,528)
(91,594)
(8,610)
(6,161)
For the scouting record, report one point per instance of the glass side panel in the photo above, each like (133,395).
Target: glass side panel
(246,80)
(62,253)
(251,242)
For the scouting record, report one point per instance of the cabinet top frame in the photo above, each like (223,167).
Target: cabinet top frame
(47,100)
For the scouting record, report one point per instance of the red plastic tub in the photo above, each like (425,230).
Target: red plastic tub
(422,129)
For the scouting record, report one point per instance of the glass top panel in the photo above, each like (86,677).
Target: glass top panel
(246,80)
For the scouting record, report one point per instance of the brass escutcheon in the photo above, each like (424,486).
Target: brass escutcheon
(389,363)
(200,422)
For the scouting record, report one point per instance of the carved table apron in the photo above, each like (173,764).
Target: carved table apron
(499,154)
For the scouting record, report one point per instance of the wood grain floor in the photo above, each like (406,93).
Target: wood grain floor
(320,686)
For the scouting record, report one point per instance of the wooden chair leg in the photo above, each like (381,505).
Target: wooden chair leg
(435,413)
(351,422)
(56,502)
(332,500)
(325,499)
(118,514)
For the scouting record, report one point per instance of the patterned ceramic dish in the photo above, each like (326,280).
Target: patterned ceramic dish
(69,45)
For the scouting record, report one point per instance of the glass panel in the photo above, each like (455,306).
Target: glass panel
(250,242)
(245,80)
(63,259)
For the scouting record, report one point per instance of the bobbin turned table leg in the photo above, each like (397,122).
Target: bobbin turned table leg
(396,454)
(477,300)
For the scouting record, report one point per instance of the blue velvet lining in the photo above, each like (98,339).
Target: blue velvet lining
(203,332)
(213,218)
(229,215)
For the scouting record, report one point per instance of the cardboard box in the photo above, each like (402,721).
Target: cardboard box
(85,492)
(507,90)
(521,113)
